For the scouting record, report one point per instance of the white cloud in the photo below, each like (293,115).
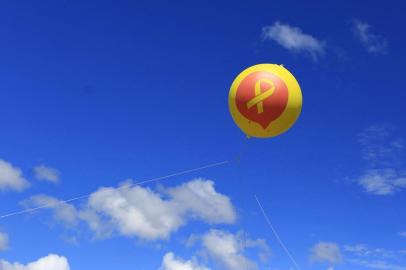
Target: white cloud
(3,241)
(11,178)
(326,252)
(402,234)
(227,249)
(50,262)
(135,211)
(138,211)
(45,173)
(372,42)
(170,262)
(201,200)
(293,39)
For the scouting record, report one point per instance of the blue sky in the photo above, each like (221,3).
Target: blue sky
(96,93)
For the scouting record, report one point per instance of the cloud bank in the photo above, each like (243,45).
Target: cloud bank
(136,211)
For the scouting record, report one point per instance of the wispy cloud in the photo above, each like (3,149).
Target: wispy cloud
(380,146)
(362,250)
(11,178)
(359,254)
(382,181)
(373,43)
(50,262)
(63,212)
(377,264)
(402,234)
(293,39)
(382,151)
(46,173)
(374,258)
(3,241)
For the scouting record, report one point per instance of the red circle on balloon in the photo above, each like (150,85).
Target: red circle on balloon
(262,97)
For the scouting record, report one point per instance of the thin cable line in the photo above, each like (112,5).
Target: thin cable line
(276,234)
(132,185)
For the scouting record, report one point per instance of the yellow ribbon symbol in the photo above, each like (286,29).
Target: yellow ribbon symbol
(261,96)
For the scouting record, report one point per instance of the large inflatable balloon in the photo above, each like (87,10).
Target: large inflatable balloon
(265,100)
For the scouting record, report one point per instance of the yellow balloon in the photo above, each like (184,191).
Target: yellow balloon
(265,100)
